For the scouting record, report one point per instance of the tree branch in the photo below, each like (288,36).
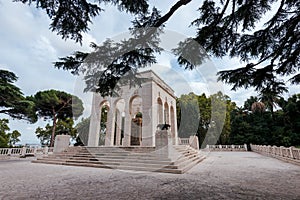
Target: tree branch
(167,16)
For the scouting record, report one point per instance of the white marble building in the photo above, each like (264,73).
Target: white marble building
(133,117)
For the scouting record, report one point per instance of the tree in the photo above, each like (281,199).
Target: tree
(271,95)
(207,117)
(83,128)
(225,27)
(221,118)
(188,115)
(63,127)
(57,105)
(7,139)
(14,137)
(12,101)
(4,137)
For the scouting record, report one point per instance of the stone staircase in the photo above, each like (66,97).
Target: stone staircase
(127,158)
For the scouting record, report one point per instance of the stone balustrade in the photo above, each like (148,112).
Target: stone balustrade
(191,141)
(286,153)
(183,141)
(25,151)
(227,147)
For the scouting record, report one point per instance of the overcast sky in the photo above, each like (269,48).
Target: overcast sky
(28,48)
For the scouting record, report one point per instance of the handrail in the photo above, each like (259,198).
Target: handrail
(283,152)
(25,151)
(192,141)
(227,147)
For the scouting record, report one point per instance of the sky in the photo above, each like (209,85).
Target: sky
(28,48)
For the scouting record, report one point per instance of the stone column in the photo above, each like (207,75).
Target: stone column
(173,121)
(110,126)
(95,119)
(148,120)
(118,128)
(127,125)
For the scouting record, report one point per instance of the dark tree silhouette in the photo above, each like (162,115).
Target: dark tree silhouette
(224,27)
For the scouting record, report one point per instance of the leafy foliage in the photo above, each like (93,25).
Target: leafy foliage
(12,101)
(63,127)
(83,128)
(4,137)
(240,125)
(8,139)
(281,128)
(225,27)
(57,105)
(14,137)
(206,117)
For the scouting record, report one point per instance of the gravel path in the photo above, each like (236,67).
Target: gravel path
(222,175)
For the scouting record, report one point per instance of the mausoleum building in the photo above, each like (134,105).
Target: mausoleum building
(132,118)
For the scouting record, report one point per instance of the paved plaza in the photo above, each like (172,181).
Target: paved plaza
(222,175)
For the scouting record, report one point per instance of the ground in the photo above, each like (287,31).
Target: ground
(222,175)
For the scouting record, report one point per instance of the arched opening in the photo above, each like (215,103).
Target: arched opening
(119,122)
(104,107)
(166,113)
(136,120)
(136,129)
(159,111)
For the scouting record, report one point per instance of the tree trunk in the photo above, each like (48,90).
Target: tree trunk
(53,131)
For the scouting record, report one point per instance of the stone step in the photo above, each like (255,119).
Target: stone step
(120,159)
(191,165)
(150,164)
(163,162)
(153,168)
(134,168)
(185,158)
(127,163)
(136,158)
(120,149)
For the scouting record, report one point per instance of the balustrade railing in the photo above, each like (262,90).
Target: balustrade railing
(192,141)
(227,147)
(284,152)
(25,151)
(183,141)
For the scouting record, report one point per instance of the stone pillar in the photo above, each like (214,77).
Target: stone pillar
(95,119)
(291,152)
(193,142)
(23,151)
(245,146)
(281,153)
(127,125)
(162,143)
(61,143)
(118,128)
(110,127)
(46,150)
(148,118)
(174,123)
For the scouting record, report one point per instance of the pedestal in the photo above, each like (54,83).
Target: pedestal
(61,143)
(164,145)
